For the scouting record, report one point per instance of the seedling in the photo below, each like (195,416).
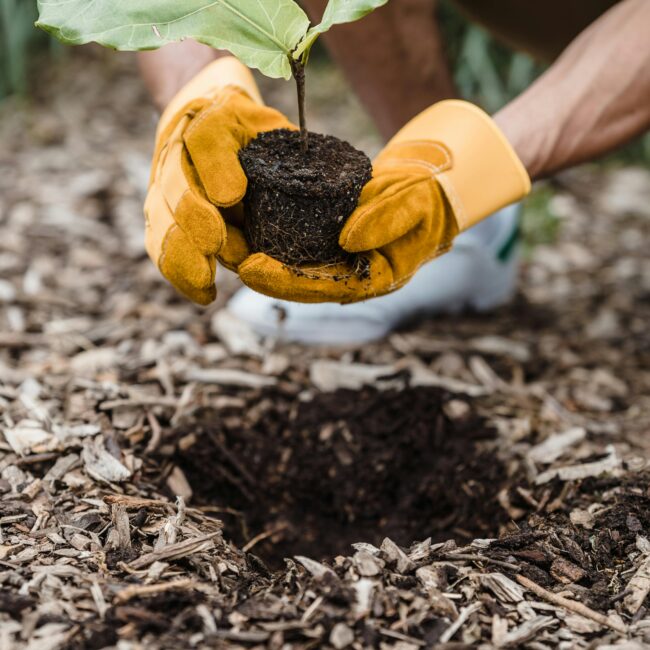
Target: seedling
(273,36)
(300,203)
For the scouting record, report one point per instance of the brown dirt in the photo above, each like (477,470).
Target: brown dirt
(297,202)
(345,467)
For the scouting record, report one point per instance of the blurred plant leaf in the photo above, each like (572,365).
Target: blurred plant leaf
(521,73)
(476,55)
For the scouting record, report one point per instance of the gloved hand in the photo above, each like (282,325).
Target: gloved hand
(442,173)
(192,207)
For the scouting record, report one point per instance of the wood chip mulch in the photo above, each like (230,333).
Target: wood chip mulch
(167,480)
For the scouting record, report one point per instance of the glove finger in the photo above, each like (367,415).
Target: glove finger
(172,252)
(177,183)
(389,207)
(200,220)
(202,223)
(408,253)
(192,273)
(236,249)
(215,137)
(338,283)
(158,221)
(200,296)
(169,128)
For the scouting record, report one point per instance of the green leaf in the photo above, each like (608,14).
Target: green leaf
(336,13)
(261,33)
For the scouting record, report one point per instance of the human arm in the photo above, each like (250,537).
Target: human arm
(592,100)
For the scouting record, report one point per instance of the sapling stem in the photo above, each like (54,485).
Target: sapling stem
(298,70)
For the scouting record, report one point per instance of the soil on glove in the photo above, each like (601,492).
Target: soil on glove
(297,202)
(346,467)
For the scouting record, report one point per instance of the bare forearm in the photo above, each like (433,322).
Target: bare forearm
(595,97)
(167,70)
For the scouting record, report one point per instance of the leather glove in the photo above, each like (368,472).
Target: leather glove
(447,169)
(192,207)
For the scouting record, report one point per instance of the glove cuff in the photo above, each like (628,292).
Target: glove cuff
(226,71)
(483,173)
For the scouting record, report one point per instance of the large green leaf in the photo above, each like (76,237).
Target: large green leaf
(261,33)
(336,13)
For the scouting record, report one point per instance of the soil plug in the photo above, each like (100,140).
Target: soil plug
(297,202)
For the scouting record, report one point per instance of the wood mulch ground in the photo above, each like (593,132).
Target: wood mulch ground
(169,481)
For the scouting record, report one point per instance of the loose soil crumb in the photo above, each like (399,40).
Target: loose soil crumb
(297,202)
(346,467)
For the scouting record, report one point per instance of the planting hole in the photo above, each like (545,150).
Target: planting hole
(313,477)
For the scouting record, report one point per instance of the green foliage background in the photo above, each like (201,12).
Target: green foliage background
(20,41)
(485,71)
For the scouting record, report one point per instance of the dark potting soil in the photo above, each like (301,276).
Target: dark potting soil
(297,202)
(345,467)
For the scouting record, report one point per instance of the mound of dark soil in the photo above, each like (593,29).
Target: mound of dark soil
(346,467)
(297,202)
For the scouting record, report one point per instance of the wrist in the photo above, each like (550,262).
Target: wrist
(521,138)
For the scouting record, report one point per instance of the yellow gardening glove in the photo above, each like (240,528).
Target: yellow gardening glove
(442,173)
(192,207)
